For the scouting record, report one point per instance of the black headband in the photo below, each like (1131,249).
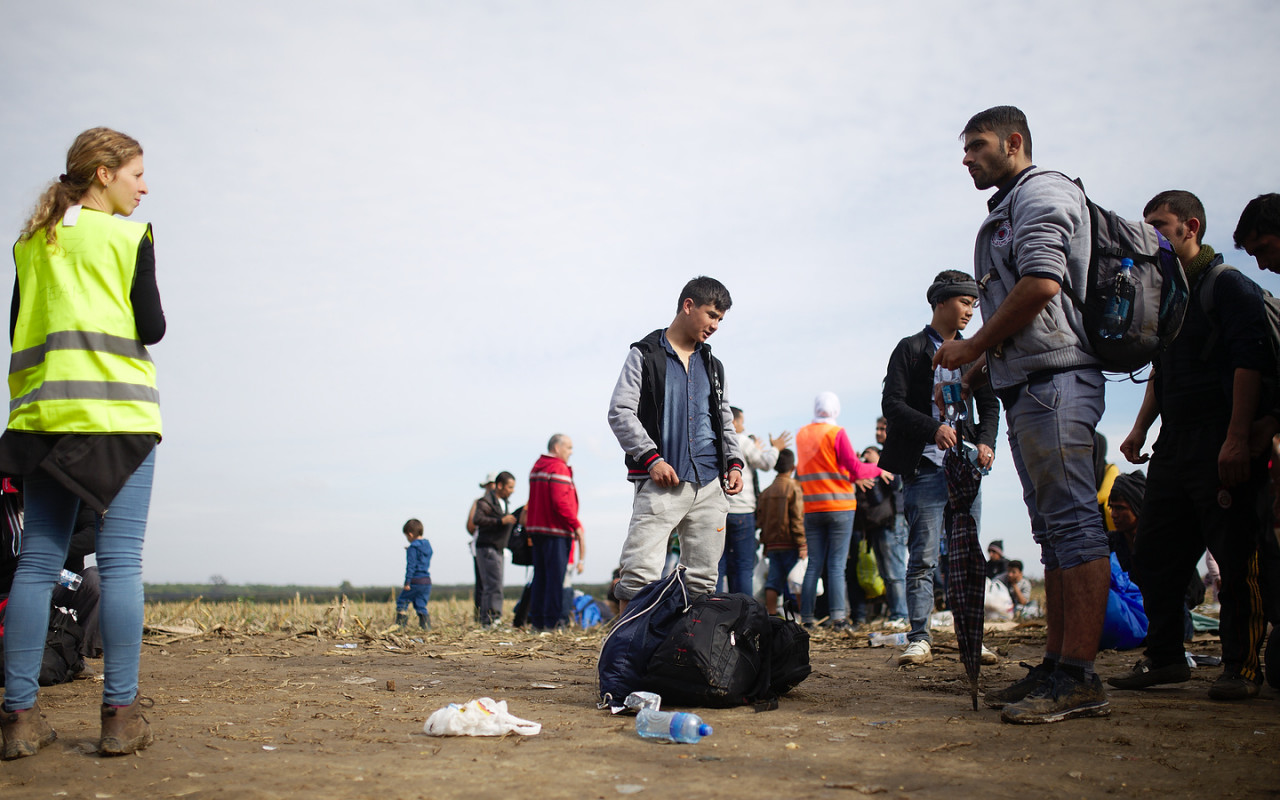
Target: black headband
(948,288)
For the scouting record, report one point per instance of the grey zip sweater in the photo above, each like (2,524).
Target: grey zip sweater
(1039,229)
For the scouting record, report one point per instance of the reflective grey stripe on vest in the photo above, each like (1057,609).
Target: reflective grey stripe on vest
(822,476)
(87,390)
(813,498)
(78,340)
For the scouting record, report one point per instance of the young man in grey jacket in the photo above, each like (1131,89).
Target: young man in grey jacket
(1034,350)
(675,426)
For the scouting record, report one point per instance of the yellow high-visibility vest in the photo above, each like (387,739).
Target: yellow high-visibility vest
(77,364)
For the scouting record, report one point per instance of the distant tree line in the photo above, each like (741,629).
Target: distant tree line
(220,591)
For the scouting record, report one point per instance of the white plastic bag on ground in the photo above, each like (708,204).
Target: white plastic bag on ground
(999,602)
(483,717)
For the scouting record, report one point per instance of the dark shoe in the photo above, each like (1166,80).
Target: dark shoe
(1233,686)
(402,619)
(1061,697)
(25,732)
(125,730)
(1036,677)
(1145,674)
(424,621)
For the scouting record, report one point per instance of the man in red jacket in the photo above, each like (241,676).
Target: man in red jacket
(551,518)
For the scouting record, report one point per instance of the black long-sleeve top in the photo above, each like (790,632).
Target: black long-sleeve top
(148,314)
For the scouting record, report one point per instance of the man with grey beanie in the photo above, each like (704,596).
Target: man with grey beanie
(917,438)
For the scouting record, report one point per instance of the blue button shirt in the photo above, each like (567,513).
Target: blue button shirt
(688,440)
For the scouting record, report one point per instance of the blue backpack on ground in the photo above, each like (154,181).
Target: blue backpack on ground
(637,634)
(586,612)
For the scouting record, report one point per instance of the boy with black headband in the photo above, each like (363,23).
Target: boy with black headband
(917,438)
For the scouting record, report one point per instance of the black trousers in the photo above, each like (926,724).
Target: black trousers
(1182,514)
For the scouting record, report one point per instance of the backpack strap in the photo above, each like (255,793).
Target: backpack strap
(1204,293)
(1075,298)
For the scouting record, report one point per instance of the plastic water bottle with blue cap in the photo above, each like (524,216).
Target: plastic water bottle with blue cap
(952,395)
(671,726)
(1117,314)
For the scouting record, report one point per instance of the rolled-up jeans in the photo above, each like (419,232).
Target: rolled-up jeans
(50,519)
(827,535)
(1051,426)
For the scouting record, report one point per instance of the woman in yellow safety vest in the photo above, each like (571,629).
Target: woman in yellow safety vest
(84,420)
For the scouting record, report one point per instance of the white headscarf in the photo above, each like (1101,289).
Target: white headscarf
(826,407)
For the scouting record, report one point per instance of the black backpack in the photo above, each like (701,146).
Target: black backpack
(61,661)
(725,651)
(789,658)
(1155,316)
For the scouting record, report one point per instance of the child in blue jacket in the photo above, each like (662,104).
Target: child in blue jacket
(417,577)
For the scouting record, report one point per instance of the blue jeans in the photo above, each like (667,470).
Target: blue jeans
(1051,427)
(417,596)
(925,496)
(50,518)
(827,534)
(781,562)
(738,562)
(890,546)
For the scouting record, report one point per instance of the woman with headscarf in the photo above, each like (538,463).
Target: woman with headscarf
(827,468)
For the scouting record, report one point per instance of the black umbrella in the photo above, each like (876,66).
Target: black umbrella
(966,566)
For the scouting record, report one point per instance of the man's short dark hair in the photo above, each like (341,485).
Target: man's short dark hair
(786,461)
(1014,564)
(1002,121)
(706,291)
(555,440)
(502,478)
(737,412)
(1183,205)
(1261,217)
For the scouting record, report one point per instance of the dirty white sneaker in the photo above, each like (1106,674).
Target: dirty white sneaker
(988,656)
(918,652)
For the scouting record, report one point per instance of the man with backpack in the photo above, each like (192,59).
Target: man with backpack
(1204,483)
(1034,350)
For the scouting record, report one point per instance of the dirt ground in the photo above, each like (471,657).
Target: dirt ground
(278,717)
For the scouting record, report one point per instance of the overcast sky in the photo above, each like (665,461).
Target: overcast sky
(401,244)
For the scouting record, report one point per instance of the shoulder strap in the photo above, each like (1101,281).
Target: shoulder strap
(1093,222)
(1204,291)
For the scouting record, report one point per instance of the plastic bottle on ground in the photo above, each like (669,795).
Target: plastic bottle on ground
(888,639)
(671,726)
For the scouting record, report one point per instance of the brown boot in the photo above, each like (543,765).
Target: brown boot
(125,730)
(25,732)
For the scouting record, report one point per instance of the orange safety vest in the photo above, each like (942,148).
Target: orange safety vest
(825,486)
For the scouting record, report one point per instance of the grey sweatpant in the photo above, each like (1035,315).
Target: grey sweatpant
(696,513)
